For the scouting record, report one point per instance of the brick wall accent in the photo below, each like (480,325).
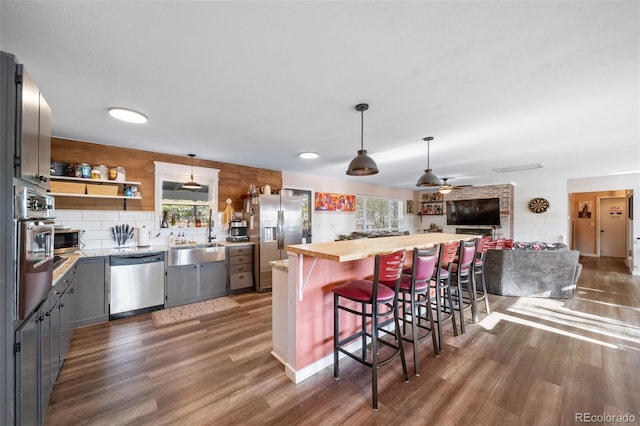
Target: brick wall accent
(506,194)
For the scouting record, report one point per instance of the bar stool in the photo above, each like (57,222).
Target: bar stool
(478,270)
(440,288)
(378,300)
(463,280)
(415,292)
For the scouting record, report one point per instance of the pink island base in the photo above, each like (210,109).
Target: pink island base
(313,270)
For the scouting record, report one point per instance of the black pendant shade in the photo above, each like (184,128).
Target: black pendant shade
(192,184)
(428,178)
(362,164)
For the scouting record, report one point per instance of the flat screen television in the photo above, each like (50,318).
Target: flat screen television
(481,211)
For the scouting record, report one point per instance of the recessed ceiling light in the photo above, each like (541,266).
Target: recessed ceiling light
(308,155)
(127,115)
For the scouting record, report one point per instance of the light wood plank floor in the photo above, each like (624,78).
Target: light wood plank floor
(532,361)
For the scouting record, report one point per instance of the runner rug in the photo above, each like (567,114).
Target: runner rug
(191,311)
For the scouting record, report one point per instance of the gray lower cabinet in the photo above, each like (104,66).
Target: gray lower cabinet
(182,285)
(41,343)
(193,283)
(213,279)
(67,306)
(90,291)
(27,368)
(240,259)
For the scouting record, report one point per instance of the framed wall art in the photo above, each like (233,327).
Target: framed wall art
(584,209)
(326,201)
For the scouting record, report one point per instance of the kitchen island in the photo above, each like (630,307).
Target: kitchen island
(304,332)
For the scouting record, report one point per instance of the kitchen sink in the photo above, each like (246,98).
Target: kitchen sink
(191,254)
(198,245)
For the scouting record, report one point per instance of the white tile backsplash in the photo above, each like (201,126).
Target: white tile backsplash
(136,216)
(96,226)
(93,215)
(68,215)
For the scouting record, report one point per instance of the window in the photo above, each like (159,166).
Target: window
(184,208)
(179,208)
(378,214)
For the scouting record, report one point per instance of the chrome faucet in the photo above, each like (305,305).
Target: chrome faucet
(210,237)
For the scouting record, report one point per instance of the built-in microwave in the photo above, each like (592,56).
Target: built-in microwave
(66,240)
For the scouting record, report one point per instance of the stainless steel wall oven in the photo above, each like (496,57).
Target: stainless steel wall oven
(35,231)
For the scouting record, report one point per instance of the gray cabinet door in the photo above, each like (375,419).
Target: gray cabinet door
(90,291)
(46,352)
(67,321)
(54,330)
(213,279)
(182,285)
(27,370)
(34,144)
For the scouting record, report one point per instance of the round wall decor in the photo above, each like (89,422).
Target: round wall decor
(538,205)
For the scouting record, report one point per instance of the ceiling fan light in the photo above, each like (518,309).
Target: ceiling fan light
(362,165)
(428,179)
(445,190)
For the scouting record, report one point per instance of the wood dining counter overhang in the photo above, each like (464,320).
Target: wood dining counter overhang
(313,271)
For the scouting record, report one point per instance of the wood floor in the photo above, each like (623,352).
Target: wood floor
(532,361)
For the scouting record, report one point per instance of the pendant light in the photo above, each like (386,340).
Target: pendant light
(362,164)
(428,178)
(192,184)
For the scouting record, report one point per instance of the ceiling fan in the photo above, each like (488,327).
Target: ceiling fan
(445,187)
(431,182)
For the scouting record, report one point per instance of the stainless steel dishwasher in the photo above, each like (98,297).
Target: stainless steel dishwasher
(137,284)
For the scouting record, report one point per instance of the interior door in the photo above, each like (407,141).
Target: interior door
(613,227)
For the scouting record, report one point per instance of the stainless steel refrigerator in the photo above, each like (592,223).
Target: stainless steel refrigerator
(273,223)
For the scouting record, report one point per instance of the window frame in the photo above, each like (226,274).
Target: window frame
(361,206)
(182,173)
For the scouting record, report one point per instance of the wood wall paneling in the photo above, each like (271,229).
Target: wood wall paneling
(234,179)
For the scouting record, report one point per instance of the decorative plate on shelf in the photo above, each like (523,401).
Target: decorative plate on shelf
(538,205)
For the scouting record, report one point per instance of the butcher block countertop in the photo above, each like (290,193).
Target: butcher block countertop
(59,272)
(347,250)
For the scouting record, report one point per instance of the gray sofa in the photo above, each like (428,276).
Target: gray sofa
(538,273)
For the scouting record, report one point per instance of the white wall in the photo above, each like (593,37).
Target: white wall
(550,226)
(328,225)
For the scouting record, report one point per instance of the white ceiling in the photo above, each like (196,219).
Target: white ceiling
(498,84)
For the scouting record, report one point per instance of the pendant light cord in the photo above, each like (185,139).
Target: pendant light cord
(361,130)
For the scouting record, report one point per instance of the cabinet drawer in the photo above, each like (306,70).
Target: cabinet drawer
(240,280)
(240,250)
(243,267)
(237,260)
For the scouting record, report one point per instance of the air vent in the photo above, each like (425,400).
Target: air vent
(519,168)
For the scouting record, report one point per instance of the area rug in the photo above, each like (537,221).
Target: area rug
(183,313)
